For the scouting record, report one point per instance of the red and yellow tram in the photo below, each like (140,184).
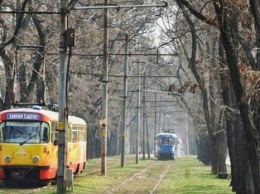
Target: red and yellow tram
(29,147)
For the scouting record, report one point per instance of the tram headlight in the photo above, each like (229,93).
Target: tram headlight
(36,159)
(8,158)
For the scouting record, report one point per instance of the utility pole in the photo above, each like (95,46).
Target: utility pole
(138,117)
(160,118)
(147,135)
(144,118)
(62,125)
(123,134)
(187,136)
(155,123)
(103,120)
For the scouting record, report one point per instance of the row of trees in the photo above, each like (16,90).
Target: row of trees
(209,48)
(224,59)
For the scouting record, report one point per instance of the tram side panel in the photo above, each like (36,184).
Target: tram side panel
(77,149)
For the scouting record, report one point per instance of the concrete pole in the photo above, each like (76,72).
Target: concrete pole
(144,117)
(187,137)
(105,93)
(155,122)
(138,117)
(147,135)
(118,136)
(62,127)
(123,134)
(160,118)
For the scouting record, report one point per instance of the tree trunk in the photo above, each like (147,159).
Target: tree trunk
(9,92)
(204,150)
(219,153)
(228,33)
(226,95)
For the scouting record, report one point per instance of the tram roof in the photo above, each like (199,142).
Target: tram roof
(166,134)
(49,115)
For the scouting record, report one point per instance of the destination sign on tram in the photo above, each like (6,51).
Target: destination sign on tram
(23,116)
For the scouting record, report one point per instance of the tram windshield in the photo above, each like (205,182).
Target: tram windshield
(165,140)
(20,132)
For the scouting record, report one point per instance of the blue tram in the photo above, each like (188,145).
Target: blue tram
(166,145)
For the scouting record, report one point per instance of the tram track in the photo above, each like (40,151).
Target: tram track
(94,169)
(150,177)
(144,179)
(160,178)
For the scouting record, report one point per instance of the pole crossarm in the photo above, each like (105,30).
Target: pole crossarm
(19,47)
(163,105)
(144,76)
(158,101)
(98,6)
(119,54)
(171,113)
(32,12)
(116,6)
(112,75)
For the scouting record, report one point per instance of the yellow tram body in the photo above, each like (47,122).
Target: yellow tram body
(29,147)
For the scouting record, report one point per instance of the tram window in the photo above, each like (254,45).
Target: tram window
(75,133)
(69,133)
(1,136)
(45,133)
(161,141)
(1,131)
(81,134)
(17,132)
(166,141)
(33,133)
(74,136)
(54,133)
(45,136)
(54,136)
